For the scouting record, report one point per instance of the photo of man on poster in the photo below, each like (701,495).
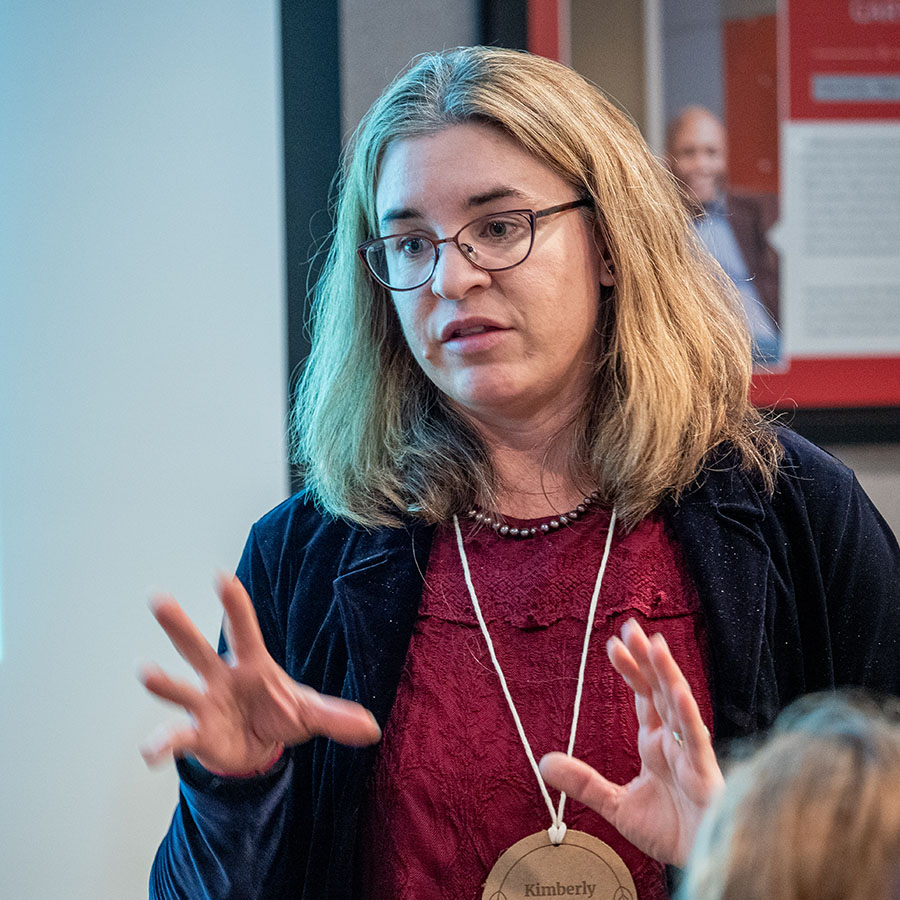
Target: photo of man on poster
(733,226)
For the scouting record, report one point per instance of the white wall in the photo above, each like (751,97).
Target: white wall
(142,394)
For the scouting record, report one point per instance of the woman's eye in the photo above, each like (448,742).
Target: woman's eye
(410,245)
(500,229)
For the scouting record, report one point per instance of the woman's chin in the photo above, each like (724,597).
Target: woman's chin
(487,400)
(500,403)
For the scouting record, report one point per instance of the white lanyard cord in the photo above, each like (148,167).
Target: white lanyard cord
(558,830)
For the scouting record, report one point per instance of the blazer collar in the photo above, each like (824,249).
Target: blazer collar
(377,593)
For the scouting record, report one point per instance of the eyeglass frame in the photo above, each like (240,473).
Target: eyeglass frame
(533,216)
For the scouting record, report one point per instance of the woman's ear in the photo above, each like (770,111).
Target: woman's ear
(607,271)
(607,266)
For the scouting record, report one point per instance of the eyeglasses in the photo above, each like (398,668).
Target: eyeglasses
(492,243)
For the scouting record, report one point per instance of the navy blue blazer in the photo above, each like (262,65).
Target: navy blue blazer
(801,592)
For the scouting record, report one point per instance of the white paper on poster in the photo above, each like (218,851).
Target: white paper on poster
(839,238)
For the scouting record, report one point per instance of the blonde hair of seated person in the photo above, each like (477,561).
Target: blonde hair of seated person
(814,814)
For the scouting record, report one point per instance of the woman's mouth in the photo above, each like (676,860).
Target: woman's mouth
(474,329)
(473,338)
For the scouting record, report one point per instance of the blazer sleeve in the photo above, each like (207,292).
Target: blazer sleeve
(861,570)
(229,837)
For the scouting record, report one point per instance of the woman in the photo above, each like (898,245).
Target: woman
(524,421)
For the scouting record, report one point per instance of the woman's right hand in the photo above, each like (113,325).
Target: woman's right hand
(247,708)
(660,809)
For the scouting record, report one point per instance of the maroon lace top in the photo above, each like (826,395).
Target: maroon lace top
(452,787)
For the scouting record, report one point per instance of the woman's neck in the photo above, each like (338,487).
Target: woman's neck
(530,492)
(533,470)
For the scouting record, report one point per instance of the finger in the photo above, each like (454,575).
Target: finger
(168,743)
(683,711)
(638,645)
(581,782)
(242,631)
(341,720)
(697,738)
(634,654)
(698,747)
(681,707)
(166,688)
(667,670)
(184,634)
(623,662)
(668,673)
(668,676)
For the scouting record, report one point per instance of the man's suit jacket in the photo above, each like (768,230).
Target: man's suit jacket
(750,219)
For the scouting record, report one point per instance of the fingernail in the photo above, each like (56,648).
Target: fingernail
(142,669)
(152,754)
(158,601)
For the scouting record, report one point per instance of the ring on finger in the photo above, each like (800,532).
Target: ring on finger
(680,740)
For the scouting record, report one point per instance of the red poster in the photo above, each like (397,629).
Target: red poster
(839,234)
(842,59)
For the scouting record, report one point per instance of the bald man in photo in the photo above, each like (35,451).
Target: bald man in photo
(732,226)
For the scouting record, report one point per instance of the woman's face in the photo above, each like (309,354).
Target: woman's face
(510,345)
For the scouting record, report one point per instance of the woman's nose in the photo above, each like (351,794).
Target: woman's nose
(454,276)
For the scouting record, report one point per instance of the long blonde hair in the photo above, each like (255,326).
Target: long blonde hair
(814,814)
(375,440)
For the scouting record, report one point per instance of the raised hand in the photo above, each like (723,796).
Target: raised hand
(659,810)
(247,708)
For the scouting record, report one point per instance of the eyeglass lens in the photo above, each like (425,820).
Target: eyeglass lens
(497,241)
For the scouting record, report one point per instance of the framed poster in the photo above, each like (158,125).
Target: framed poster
(839,227)
(802,206)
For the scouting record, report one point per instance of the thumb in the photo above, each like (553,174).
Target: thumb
(581,782)
(341,720)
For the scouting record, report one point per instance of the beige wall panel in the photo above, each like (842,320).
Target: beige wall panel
(608,48)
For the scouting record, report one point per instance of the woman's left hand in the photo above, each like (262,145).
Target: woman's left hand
(659,810)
